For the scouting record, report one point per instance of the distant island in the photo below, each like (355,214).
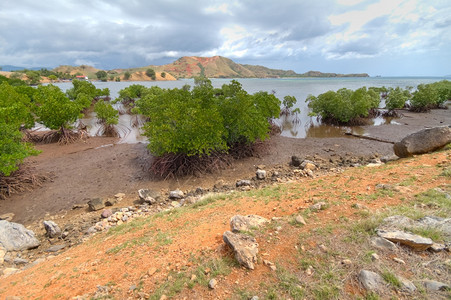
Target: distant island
(189,67)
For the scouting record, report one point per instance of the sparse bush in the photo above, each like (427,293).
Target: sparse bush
(344,106)
(433,95)
(194,127)
(85,93)
(108,117)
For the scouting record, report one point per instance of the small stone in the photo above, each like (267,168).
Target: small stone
(151,271)
(371,281)
(399,261)
(261,174)
(309,271)
(163,297)
(255,298)
(96,204)
(300,220)
(7,217)
(318,206)
(323,248)
(111,201)
(383,244)
(246,223)
(52,229)
(193,277)
(406,285)
(436,286)
(271,265)
(243,182)
(9,271)
(212,283)
(437,247)
(149,196)
(374,257)
(175,204)
(295,161)
(346,262)
(177,194)
(56,248)
(106,213)
(20,261)
(308,165)
(119,196)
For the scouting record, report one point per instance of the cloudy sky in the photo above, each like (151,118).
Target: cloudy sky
(379,37)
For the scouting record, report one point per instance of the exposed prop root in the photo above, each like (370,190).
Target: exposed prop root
(19,181)
(172,165)
(62,136)
(392,114)
(108,131)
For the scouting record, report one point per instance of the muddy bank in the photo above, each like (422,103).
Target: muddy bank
(101,168)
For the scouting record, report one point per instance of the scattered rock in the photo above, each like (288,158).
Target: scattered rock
(383,244)
(374,257)
(423,141)
(9,271)
(271,265)
(438,247)
(119,196)
(435,286)
(106,213)
(261,174)
(151,271)
(212,283)
(15,237)
(20,261)
(308,165)
(346,262)
(300,220)
(111,201)
(52,229)
(318,206)
(56,248)
(243,182)
(96,204)
(388,158)
(412,240)
(246,223)
(2,254)
(399,261)
(295,161)
(149,196)
(7,217)
(177,194)
(371,281)
(245,248)
(406,285)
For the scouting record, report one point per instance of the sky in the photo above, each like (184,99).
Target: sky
(378,37)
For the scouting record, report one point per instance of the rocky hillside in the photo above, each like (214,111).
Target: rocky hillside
(191,66)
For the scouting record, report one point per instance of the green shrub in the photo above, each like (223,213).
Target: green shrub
(15,108)
(433,95)
(84,93)
(343,106)
(396,98)
(54,110)
(202,121)
(106,113)
(12,149)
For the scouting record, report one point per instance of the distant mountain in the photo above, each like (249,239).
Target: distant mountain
(221,67)
(192,66)
(9,68)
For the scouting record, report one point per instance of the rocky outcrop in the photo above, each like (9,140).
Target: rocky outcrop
(412,240)
(15,237)
(246,223)
(424,141)
(245,248)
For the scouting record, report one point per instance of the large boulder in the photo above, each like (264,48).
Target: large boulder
(244,246)
(15,237)
(423,141)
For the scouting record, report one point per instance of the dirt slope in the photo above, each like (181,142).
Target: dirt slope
(149,256)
